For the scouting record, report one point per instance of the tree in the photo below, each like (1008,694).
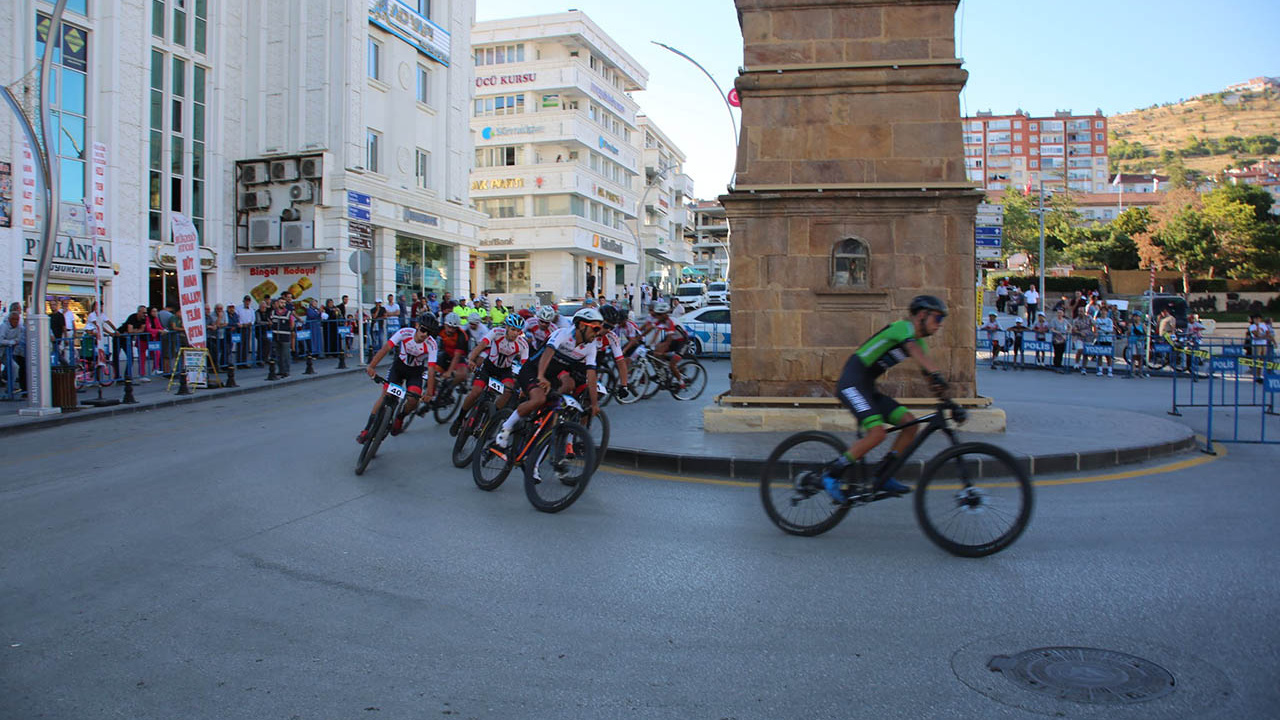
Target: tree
(1021,228)
(1180,237)
(1240,220)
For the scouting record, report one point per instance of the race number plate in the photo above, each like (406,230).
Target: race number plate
(496,385)
(396,390)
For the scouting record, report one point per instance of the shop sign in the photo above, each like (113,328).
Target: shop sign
(499,184)
(72,250)
(166,256)
(27,199)
(298,277)
(402,20)
(609,99)
(610,196)
(98,192)
(73,220)
(411,215)
(606,145)
(605,243)
(360,235)
(496,80)
(6,195)
(490,133)
(491,242)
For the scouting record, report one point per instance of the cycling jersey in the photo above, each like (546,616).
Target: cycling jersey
(453,343)
(539,330)
(563,343)
(887,348)
(630,330)
(503,352)
(610,340)
(411,352)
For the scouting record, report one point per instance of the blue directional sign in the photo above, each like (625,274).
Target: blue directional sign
(987,242)
(359,206)
(355,212)
(355,198)
(994,231)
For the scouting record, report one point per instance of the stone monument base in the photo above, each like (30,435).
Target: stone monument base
(737,414)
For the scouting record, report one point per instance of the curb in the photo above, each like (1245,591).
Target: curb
(90,413)
(1033,464)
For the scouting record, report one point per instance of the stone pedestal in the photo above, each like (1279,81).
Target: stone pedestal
(850,195)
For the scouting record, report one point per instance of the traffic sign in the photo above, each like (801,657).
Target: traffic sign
(986,242)
(990,219)
(360,261)
(986,252)
(988,231)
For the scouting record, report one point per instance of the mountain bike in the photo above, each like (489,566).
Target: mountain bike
(558,456)
(598,426)
(93,368)
(657,376)
(392,401)
(972,499)
(476,423)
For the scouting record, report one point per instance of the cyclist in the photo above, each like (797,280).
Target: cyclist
(544,322)
(501,349)
(610,341)
(566,349)
(454,345)
(670,337)
(415,361)
(898,341)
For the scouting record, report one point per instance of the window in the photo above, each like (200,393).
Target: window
(1098,137)
(1098,123)
(501,105)
(422,169)
(372,140)
(501,207)
(849,263)
(1033,127)
(506,155)
(507,273)
(424,86)
(500,55)
(374,63)
(424,8)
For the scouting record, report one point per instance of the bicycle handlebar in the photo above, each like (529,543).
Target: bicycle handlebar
(382,381)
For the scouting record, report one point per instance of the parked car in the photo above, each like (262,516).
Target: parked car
(709,329)
(718,293)
(692,295)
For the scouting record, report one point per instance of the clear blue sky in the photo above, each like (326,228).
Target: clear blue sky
(1040,56)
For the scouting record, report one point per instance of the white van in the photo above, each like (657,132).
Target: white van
(692,295)
(718,293)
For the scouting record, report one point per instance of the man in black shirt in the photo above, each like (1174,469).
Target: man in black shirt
(124,339)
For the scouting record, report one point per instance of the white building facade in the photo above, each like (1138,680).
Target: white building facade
(668,256)
(292,134)
(557,162)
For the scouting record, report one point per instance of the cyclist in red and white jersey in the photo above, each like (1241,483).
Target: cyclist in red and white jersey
(611,344)
(415,361)
(544,322)
(670,337)
(504,346)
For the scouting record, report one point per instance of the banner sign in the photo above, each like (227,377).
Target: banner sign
(27,198)
(1037,346)
(1222,364)
(6,195)
(190,287)
(1103,350)
(193,360)
(98,192)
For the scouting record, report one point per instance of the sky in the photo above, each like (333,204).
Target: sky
(1037,55)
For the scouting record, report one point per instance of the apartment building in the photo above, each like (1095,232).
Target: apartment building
(1063,151)
(668,255)
(292,134)
(558,157)
(708,233)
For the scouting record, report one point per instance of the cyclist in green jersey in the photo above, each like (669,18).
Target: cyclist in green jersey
(857,390)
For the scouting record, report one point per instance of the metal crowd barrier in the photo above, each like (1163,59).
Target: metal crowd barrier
(1041,352)
(1236,376)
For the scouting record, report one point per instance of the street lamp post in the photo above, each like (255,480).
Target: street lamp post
(660,173)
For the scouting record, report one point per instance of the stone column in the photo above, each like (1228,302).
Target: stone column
(850,195)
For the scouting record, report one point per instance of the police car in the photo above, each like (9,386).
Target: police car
(708,328)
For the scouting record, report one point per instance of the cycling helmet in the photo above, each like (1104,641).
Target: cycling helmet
(429,324)
(514,321)
(927,302)
(452,320)
(588,314)
(662,307)
(546,313)
(611,315)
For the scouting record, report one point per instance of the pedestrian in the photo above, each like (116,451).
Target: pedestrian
(1015,300)
(13,349)
(263,328)
(315,318)
(1259,344)
(1104,326)
(282,338)
(1041,329)
(1032,297)
(1016,335)
(1081,334)
(1002,295)
(150,348)
(126,335)
(994,334)
(1060,329)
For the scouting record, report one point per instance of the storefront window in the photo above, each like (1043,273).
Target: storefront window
(422,266)
(163,285)
(507,274)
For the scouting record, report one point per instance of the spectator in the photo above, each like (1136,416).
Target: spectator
(377,323)
(282,340)
(150,347)
(1081,334)
(174,337)
(126,333)
(1002,295)
(498,313)
(677,308)
(1195,329)
(314,317)
(216,332)
(1258,344)
(245,316)
(262,327)
(416,309)
(1016,333)
(342,307)
(1041,329)
(1060,328)
(1168,326)
(62,328)
(332,319)
(13,343)
(433,305)
(1032,296)
(1015,300)
(1137,348)
(994,334)
(403,314)
(1064,305)
(392,308)
(1105,328)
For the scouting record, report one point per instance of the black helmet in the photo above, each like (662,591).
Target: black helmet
(429,323)
(611,315)
(926,302)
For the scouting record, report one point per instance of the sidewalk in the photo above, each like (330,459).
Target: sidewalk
(667,435)
(157,393)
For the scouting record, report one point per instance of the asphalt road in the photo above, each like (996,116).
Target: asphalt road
(222,561)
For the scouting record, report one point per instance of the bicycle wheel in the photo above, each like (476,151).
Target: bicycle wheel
(610,379)
(104,375)
(450,402)
(556,472)
(1158,360)
(598,428)
(639,379)
(469,435)
(381,424)
(657,376)
(490,466)
(791,484)
(973,499)
(83,376)
(695,380)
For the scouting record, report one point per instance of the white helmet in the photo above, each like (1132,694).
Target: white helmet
(662,307)
(588,314)
(452,320)
(546,313)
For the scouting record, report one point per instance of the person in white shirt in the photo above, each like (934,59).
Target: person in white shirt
(994,335)
(1259,343)
(1032,297)
(1105,328)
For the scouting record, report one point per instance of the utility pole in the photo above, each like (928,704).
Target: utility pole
(1040,212)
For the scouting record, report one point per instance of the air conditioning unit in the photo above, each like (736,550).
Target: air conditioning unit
(264,232)
(301,192)
(284,170)
(299,235)
(311,168)
(253,173)
(255,200)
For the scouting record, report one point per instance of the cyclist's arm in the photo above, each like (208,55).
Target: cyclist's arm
(915,352)
(377,357)
(480,346)
(544,362)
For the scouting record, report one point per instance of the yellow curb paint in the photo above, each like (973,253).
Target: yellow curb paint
(1127,475)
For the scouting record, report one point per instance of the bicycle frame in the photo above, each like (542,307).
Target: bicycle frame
(933,422)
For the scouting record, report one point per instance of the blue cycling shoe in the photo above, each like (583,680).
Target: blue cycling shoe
(832,486)
(893,487)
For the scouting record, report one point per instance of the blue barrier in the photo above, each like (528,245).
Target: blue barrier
(1236,382)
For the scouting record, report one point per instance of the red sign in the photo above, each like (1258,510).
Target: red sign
(190,287)
(734,100)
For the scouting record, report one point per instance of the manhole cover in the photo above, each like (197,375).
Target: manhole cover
(1086,675)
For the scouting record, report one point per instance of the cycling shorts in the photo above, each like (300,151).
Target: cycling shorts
(859,393)
(489,370)
(446,361)
(411,377)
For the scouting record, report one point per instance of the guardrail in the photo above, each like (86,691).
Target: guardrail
(1236,378)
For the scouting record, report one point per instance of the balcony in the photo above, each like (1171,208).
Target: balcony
(682,184)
